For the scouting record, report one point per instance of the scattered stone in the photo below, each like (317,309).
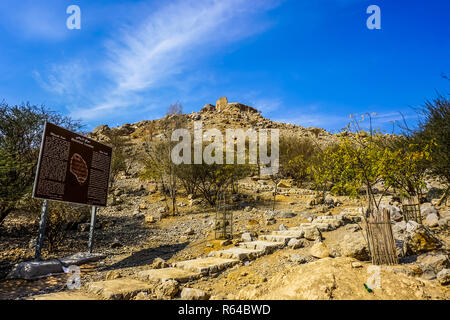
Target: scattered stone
(319,250)
(356,264)
(284,184)
(427,210)
(118,289)
(444,222)
(432,220)
(142,296)
(35,269)
(300,259)
(194,202)
(354,245)
(411,225)
(312,233)
(297,243)
(352,227)
(162,210)
(193,294)
(113,274)
(167,290)
(284,215)
(399,227)
(429,275)
(159,263)
(224,243)
(444,277)
(431,261)
(282,227)
(247,237)
(83,227)
(329,202)
(189,232)
(81,258)
(138,215)
(421,240)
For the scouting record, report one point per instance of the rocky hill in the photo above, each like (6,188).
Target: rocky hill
(222,116)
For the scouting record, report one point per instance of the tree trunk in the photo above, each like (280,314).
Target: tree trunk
(441,200)
(174,200)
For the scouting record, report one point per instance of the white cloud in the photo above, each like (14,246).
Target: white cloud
(170,42)
(64,79)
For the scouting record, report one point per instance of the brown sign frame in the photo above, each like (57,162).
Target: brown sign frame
(72,168)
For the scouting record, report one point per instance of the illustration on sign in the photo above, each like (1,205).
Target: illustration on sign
(72,168)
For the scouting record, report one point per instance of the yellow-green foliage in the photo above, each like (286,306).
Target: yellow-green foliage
(360,161)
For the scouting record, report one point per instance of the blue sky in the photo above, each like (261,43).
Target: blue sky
(305,62)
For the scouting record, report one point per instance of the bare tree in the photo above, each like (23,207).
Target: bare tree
(158,162)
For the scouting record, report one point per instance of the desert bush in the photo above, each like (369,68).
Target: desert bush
(213,179)
(296,155)
(405,164)
(21,129)
(119,143)
(62,217)
(435,126)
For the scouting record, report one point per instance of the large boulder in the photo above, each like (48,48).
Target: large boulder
(434,262)
(426,210)
(399,227)
(396,213)
(297,243)
(247,237)
(420,240)
(167,290)
(354,245)
(444,222)
(35,269)
(312,233)
(319,250)
(444,277)
(432,220)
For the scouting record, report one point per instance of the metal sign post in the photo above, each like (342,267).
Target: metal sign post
(40,238)
(91,231)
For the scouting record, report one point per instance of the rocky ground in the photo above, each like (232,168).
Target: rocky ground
(326,256)
(300,250)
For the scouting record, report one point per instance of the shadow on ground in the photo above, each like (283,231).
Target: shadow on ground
(147,256)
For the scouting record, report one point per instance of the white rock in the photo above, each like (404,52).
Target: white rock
(193,294)
(319,250)
(431,220)
(247,237)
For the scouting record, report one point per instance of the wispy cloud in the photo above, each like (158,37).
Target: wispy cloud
(67,79)
(336,122)
(166,46)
